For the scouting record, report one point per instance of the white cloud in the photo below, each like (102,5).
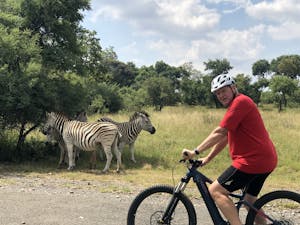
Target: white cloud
(158,17)
(276,10)
(188,14)
(173,51)
(236,46)
(107,11)
(286,31)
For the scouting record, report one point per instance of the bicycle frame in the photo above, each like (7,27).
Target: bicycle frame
(201,181)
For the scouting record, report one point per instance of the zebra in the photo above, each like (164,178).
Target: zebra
(86,136)
(54,135)
(130,130)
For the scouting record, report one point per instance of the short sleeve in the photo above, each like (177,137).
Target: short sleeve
(236,112)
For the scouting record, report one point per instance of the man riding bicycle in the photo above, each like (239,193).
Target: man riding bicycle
(252,152)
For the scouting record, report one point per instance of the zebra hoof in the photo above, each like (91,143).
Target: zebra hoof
(71,168)
(104,171)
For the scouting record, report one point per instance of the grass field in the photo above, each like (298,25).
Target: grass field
(185,127)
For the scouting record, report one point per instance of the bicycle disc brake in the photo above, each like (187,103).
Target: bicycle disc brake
(156,219)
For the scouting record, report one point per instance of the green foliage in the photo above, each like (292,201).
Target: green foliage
(287,65)
(133,100)
(121,73)
(195,92)
(160,92)
(244,86)
(103,97)
(218,66)
(282,87)
(261,68)
(57,25)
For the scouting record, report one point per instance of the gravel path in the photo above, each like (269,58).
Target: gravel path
(49,200)
(34,200)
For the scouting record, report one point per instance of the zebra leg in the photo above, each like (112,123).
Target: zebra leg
(107,150)
(118,154)
(93,159)
(77,152)
(63,156)
(101,154)
(131,148)
(71,156)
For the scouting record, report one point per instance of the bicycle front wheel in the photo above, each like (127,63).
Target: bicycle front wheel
(150,206)
(280,208)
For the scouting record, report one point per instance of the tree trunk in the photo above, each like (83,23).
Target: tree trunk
(22,137)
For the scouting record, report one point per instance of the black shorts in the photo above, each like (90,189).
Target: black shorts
(233,179)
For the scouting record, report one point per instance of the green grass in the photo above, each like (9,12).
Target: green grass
(177,128)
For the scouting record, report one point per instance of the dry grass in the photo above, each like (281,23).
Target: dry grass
(180,127)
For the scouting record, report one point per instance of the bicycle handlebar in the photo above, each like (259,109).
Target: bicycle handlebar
(194,162)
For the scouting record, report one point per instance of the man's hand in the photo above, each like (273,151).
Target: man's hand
(188,154)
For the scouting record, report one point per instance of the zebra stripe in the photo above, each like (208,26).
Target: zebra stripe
(130,130)
(87,136)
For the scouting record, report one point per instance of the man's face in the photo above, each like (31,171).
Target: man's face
(225,95)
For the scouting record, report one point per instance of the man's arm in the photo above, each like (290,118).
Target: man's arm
(217,139)
(217,136)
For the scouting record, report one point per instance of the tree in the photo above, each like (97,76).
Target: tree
(194,92)
(282,86)
(160,92)
(90,60)
(28,89)
(20,74)
(121,73)
(56,22)
(261,68)
(218,66)
(287,65)
(175,74)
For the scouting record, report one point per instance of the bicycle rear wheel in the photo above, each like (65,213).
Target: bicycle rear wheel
(283,207)
(150,205)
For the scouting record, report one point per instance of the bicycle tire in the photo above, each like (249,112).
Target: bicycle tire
(154,210)
(282,206)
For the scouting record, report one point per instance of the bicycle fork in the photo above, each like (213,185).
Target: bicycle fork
(167,217)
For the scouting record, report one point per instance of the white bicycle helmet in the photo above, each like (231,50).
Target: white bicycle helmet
(221,81)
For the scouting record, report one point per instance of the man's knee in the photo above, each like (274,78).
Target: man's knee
(216,190)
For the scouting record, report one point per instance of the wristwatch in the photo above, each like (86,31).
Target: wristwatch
(196,151)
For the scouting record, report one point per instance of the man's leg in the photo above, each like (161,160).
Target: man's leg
(225,204)
(258,219)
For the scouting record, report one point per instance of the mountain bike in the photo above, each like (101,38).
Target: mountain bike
(163,204)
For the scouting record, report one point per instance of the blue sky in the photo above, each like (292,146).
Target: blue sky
(180,31)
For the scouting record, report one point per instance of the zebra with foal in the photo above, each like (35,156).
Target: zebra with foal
(54,135)
(86,136)
(130,130)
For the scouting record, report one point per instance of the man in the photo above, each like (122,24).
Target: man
(251,149)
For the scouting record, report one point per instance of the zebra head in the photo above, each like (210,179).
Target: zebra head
(143,119)
(53,121)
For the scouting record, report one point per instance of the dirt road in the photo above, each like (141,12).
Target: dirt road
(44,200)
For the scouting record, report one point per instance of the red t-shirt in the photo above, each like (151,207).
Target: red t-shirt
(250,146)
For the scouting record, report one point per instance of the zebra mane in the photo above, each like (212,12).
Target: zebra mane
(60,114)
(137,114)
